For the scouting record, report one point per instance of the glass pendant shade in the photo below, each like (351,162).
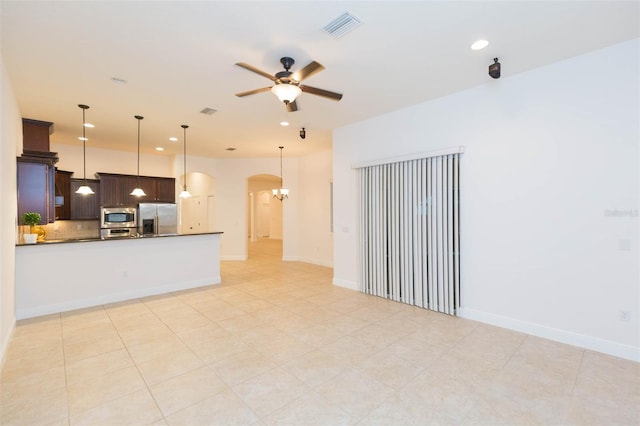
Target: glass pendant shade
(286,92)
(138,192)
(84,190)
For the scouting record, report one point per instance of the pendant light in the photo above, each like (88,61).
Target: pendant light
(281,193)
(84,189)
(185,193)
(138,192)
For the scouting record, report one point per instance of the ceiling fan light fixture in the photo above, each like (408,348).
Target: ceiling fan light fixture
(286,92)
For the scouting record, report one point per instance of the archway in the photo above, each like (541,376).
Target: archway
(264,213)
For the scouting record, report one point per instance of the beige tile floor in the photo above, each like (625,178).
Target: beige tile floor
(277,344)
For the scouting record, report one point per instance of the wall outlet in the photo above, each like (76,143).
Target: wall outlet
(625,316)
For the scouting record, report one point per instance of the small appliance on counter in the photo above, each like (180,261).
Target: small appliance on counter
(118,222)
(157,219)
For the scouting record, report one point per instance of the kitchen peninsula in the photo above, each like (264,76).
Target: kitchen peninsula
(60,276)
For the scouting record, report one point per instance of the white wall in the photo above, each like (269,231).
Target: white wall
(232,190)
(315,236)
(551,161)
(10,147)
(110,161)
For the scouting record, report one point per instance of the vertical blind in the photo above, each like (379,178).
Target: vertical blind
(410,241)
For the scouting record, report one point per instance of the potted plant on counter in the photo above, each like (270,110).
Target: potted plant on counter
(31,219)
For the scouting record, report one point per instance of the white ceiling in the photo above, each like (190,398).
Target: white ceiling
(178,57)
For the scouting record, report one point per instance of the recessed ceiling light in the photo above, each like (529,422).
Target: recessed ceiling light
(83,139)
(91,126)
(173,139)
(159,148)
(118,80)
(284,123)
(480,44)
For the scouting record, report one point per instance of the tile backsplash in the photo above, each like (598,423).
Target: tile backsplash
(72,229)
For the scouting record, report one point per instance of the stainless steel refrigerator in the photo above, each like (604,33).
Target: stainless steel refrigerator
(157,218)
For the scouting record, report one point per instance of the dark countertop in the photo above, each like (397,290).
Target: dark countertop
(89,240)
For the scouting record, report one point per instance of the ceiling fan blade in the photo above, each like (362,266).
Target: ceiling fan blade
(308,71)
(253,92)
(321,92)
(292,106)
(256,70)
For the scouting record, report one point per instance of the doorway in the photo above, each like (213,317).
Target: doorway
(264,214)
(196,212)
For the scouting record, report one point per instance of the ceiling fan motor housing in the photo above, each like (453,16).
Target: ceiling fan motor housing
(287,62)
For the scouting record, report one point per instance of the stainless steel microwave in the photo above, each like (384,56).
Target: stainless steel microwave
(118,217)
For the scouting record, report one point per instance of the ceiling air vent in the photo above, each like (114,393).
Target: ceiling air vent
(342,25)
(208,111)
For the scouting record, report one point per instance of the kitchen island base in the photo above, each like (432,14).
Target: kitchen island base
(52,278)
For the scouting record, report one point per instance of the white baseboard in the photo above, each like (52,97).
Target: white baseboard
(233,257)
(290,259)
(111,298)
(351,285)
(4,345)
(318,262)
(563,336)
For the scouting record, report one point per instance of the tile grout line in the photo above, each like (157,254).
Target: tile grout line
(126,348)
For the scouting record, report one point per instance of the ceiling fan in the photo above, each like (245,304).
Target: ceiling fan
(287,85)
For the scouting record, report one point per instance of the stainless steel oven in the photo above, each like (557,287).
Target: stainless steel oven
(118,233)
(118,222)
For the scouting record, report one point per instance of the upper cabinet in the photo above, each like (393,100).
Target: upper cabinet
(158,190)
(85,207)
(36,171)
(115,189)
(35,135)
(36,187)
(63,194)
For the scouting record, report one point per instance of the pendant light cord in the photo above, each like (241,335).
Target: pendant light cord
(84,143)
(185,127)
(139,117)
(281,180)
(84,149)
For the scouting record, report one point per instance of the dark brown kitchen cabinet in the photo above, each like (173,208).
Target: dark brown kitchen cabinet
(166,190)
(35,135)
(63,195)
(158,190)
(36,186)
(85,207)
(115,189)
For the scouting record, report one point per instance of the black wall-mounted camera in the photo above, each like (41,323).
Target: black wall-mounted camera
(303,133)
(494,69)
